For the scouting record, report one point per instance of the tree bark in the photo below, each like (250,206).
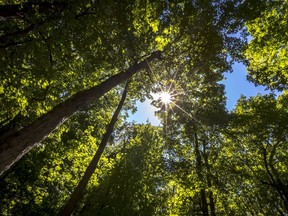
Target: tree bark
(77,194)
(14,147)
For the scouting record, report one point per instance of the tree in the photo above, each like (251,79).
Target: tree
(68,60)
(256,144)
(160,31)
(134,184)
(267,52)
(61,57)
(193,124)
(77,194)
(47,174)
(29,136)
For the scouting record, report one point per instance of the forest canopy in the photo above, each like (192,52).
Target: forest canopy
(71,73)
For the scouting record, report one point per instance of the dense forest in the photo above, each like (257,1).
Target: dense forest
(72,72)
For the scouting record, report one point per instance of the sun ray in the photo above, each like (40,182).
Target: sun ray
(189,114)
(180,93)
(171,108)
(182,109)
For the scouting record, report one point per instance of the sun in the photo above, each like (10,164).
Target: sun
(165,97)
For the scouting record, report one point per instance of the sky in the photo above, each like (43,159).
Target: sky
(236,84)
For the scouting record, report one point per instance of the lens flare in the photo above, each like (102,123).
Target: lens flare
(165,97)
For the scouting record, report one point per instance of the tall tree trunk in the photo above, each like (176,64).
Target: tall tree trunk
(77,194)
(204,205)
(209,184)
(13,147)
(211,198)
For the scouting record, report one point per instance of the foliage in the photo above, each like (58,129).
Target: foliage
(256,151)
(65,52)
(267,51)
(201,160)
(132,185)
(54,170)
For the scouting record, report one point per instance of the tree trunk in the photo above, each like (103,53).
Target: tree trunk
(13,148)
(273,182)
(282,187)
(211,198)
(204,205)
(209,184)
(77,194)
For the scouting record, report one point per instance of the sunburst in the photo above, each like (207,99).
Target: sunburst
(165,97)
(168,96)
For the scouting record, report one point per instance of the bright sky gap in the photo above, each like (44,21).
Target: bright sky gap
(236,84)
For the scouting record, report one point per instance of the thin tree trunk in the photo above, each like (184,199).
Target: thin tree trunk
(211,199)
(274,183)
(204,206)
(209,184)
(278,180)
(14,147)
(77,194)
